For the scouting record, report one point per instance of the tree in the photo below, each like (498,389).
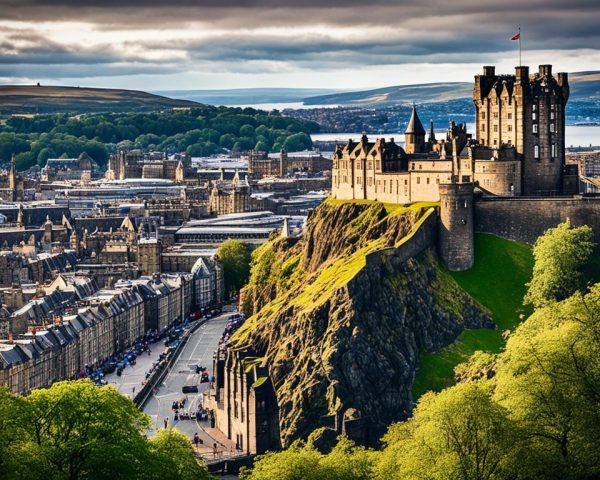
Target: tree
(302,461)
(80,430)
(235,257)
(549,379)
(44,155)
(77,430)
(297,142)
(560,255)
(459,433)
(174,457)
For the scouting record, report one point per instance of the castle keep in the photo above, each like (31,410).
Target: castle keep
(519,151)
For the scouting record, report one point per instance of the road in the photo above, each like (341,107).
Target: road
(197,351)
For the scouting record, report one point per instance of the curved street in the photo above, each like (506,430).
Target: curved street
(198,351)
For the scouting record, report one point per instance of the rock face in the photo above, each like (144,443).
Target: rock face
(342,334)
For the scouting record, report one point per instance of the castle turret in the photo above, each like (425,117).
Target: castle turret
(431,132)
(415,134)
(455,242)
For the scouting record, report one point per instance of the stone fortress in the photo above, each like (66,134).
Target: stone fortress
(511,180)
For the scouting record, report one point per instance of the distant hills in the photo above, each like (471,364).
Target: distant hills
(248,96)
(30,99)
(584,86)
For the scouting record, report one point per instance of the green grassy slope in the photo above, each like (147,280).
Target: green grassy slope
(497,281)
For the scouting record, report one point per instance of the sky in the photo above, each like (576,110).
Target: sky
(338,44)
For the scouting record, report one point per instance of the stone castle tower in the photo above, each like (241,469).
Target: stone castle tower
(527,112)
(455,226)
(415,134)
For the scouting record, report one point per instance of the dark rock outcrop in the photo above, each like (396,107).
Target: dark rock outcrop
(352,341)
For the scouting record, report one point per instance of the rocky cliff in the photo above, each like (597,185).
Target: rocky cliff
(341,315)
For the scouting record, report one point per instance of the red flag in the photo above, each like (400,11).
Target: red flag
(516,37)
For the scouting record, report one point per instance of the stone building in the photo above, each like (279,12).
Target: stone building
(519,148)
(235,197)
(262,164)
(137,164)
(244,402)
(64,169)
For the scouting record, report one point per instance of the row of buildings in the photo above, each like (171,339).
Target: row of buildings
(59,335)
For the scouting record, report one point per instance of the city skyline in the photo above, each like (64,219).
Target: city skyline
(253,44)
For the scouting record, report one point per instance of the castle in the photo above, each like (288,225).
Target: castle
(519,151)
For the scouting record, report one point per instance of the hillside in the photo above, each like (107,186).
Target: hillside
(584,86)
(28,99)
(247,96)
(497,281)
(340,332)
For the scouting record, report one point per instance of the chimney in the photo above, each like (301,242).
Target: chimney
(545,70)
(489,71)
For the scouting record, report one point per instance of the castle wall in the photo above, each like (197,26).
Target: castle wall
(525,219)
(499,178)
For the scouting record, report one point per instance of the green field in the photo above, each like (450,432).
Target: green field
(497,281)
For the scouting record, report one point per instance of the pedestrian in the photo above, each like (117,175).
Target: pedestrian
(215,451)
(166,422)
(134,389)
(196,440)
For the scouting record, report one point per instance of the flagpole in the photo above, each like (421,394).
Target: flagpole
(520,46)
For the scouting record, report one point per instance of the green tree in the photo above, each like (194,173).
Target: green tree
(297,142)
(549,379)
(80,430)
(235,257)
(460,433)
(302,461)
(174,457)
(561,254)
(44,155)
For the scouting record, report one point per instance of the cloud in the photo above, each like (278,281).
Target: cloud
(111,38)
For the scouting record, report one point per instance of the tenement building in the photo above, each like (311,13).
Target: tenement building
(519,147)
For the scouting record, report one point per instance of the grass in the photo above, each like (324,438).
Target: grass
(497,281)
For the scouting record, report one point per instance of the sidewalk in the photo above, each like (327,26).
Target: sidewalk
(135,375)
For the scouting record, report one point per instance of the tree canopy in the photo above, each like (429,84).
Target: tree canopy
(199,131)
(235,256)
(77,430)
(560,257)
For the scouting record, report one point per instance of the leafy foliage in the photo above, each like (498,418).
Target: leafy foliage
(345,462)
(561,255)
(76,430)
(199,131)
(235,257)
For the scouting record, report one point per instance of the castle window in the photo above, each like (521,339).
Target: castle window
(420,166)
(554,150)
(495,128)
(509,116)
(551,128)
(483,128)
(427,180)
(413,166)
(437,181)
(405,182)
(536,152)
(534,107)
(418,180)
(483,115)
(495,115)
(534,116)
(509,127)
(552,115)
(553,106)
(535,128)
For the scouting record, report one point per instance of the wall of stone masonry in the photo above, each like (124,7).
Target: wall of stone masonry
(525,219)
